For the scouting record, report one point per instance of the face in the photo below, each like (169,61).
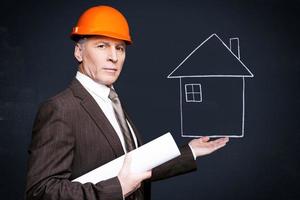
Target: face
(101,58)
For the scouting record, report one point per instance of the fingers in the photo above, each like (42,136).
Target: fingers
(144,176)
(219,143)
(129,179)
(222,140)
(225,139)
(128,171)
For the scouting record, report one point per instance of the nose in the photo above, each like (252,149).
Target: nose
(113,55)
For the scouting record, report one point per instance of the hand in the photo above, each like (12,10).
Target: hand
(129,180)
(202,146)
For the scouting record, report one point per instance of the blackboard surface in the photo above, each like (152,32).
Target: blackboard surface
(36,62)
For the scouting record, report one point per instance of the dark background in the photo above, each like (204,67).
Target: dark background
(36,62)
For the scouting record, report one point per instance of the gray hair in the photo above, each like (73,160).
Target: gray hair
(81,40)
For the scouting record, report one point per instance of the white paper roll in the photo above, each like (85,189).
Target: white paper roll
(144,158)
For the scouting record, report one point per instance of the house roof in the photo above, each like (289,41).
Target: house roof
(212,58)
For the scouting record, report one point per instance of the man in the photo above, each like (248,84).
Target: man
(84,126)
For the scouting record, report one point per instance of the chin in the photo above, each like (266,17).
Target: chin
(105,80)
(108,82)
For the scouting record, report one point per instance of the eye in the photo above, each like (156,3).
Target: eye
(101,46)
(120,48)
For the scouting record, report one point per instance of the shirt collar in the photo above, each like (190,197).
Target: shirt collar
(98,89)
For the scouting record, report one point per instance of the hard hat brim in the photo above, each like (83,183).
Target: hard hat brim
(77,37)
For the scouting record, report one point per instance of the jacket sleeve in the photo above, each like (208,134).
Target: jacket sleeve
(50,159)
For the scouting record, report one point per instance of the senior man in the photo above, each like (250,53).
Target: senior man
(84,126)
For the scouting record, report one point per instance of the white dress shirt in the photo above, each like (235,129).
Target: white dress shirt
(100,93)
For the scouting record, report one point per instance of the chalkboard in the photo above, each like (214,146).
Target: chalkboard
(36,62)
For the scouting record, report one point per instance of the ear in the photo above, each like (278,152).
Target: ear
(78,52)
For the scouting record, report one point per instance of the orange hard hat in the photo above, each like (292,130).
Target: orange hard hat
(102,20)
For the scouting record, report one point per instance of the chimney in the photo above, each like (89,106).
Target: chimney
(235,46)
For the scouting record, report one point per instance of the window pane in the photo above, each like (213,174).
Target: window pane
(188,88)
(189,97)
(197,97)
(196,88)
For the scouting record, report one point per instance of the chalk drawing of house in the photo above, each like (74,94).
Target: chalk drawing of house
(212,89)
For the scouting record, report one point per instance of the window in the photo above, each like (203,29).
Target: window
(193,93)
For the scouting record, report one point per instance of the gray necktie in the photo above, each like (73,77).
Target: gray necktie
(129,143)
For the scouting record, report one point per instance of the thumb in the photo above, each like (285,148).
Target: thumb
(146,175)
(204,139)
(127,161)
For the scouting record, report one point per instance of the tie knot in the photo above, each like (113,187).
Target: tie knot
(112,94)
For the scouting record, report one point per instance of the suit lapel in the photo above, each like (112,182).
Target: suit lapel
(95,112)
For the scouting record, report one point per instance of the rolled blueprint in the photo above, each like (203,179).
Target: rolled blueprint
(144,158)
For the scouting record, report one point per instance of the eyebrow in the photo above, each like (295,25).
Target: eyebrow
(108,43)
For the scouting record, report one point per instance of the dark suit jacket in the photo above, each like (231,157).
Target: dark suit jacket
(72,136)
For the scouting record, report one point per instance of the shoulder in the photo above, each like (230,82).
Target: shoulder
(62,102)
(66,103)
(67,98)
(61,99)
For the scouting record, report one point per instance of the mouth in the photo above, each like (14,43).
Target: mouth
(110,69)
